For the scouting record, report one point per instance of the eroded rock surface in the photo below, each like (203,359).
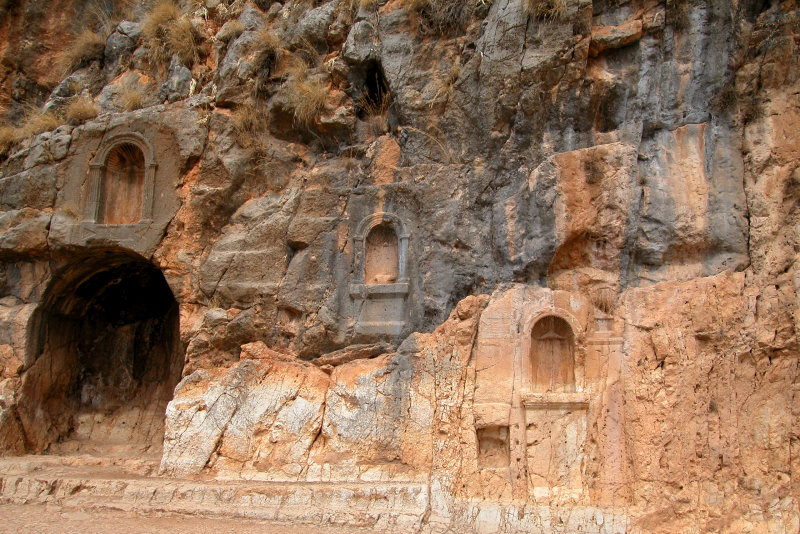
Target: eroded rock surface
(522,268)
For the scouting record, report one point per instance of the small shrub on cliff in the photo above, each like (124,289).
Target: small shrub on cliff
(106,15)
(35,122)
(132,93)
(9,136)
(441,17)
(547,9)
(269,49)
(249,123)
(166,32)
(38,121)
(267,42)
(80,110)
(88,46)
(131,97)
(305,96)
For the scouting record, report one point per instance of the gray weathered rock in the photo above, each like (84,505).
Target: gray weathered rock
(178,84)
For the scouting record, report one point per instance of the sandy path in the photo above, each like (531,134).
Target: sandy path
(50,519)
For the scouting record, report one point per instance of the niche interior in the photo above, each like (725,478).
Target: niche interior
(380,283)
(105,357)
(122,180)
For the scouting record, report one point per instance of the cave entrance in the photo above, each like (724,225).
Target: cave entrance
(106,356)
(375,96)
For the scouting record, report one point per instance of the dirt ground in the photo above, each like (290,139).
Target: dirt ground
(48,519)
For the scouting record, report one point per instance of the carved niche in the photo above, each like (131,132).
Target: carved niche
(121,182)
(380,285)
(555,408)
(381,256)
(552,357)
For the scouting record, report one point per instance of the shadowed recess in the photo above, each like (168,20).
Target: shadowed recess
(105,357)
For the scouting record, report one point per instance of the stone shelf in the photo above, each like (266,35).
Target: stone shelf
(558,401)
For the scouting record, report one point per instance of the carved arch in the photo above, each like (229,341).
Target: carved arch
(98,167)
(363,230)
(577,349)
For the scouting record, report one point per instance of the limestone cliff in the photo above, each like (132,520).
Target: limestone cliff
(538,256)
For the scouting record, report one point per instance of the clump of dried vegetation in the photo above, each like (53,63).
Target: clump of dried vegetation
(36,121)
(249,122)
(8,138)
(88,46)
(131,97)
(104,16)
(166,32)
(441,17)
(132,94)
(547,9)
(305,94)
(605,299)
(101,19)
(269,50)
(80,110)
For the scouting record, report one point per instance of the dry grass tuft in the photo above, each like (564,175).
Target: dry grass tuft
(305,96)
(306,52)
(107,15)
(166,32)
(35,122)
(547,9)
(249,123)
(131,96)
(376,114)
(441,17)
(307,99)
(267,41)
(80,110)
(159,18)
(88,46)
(9,136)
(269,50)
(38,121)
(605,299)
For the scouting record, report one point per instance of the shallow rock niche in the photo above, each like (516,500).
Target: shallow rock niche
(432,266)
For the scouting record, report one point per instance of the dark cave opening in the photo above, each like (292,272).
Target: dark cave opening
(106,356)
(375,96)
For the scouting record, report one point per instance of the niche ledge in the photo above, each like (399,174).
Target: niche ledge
(380,328)
(388,290)
(557,401)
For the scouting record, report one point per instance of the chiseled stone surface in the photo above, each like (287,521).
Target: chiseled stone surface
(593,321)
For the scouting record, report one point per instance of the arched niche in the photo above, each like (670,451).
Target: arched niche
(380,281)
(376,238)
(105,356)
(552,352)
(122,182)
(552,356)
(381,256)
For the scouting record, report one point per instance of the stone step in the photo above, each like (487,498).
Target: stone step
(91,483)
(397,507)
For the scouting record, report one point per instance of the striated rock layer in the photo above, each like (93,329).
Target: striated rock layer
(520,265)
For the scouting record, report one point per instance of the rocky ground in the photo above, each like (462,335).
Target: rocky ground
(44,519)
(628,170)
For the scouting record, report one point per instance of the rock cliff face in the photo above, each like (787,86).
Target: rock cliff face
(539,256)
